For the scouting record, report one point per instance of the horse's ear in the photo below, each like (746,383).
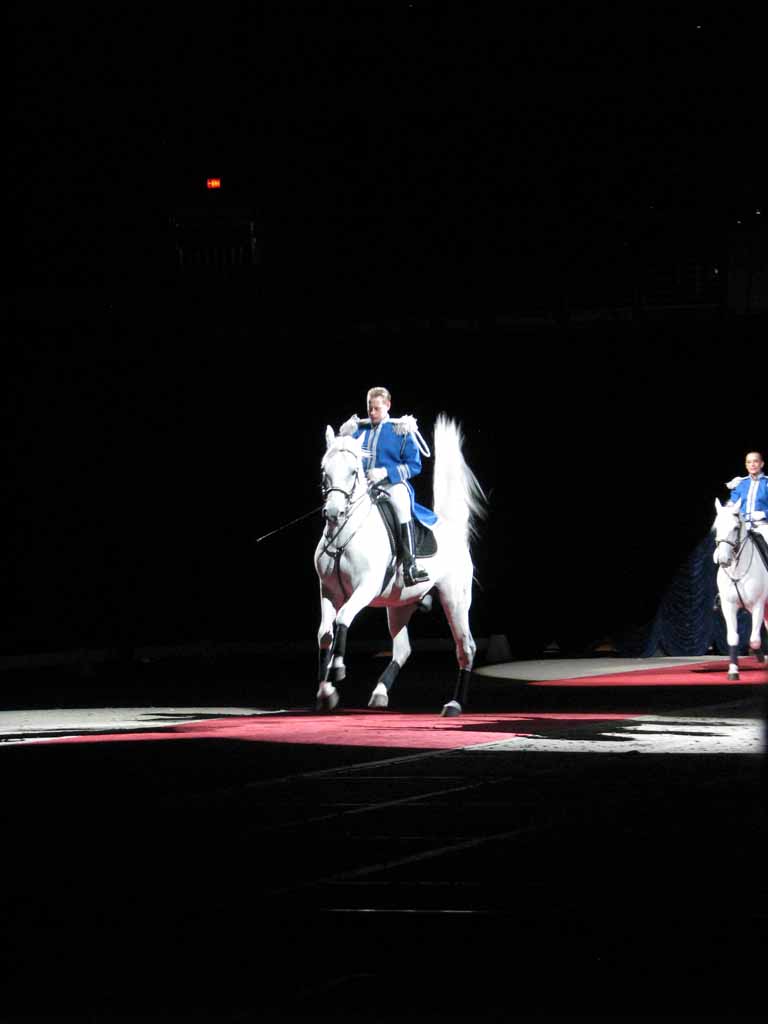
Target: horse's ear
(718,505)
(737,505)
(330,437)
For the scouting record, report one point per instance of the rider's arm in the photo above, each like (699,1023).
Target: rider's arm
(399,455)
(736,489)
(409,464)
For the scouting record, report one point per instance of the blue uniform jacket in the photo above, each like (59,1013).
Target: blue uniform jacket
(399,455)
(753,494)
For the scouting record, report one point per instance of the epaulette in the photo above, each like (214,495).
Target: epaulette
(405,425)
(400,424)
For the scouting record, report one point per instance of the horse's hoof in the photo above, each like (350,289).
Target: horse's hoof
(760,655)
(379,700)
(733,677)
(451,709)
(327,699)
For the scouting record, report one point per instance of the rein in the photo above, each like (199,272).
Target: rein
(738,547)
(350,506)
(340,549)
(348,511)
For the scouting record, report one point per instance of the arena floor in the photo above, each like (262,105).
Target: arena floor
(572,850)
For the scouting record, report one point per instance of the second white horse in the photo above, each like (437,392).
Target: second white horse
(742,580)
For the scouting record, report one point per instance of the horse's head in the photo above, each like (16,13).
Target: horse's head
(343,476)
(727,529)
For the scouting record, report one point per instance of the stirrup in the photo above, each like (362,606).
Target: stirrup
(413,575)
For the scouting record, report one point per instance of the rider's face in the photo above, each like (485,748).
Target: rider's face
(754,464)
(378,408)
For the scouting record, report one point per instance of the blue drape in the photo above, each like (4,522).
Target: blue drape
(688,622)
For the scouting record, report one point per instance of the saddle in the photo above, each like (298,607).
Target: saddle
(761,545)
(426,542)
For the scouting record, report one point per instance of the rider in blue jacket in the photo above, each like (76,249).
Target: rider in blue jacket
(393,460)
(753,492)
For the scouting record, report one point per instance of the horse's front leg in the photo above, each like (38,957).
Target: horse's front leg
(730,614)
(332,659)
(327,696)
(398,617)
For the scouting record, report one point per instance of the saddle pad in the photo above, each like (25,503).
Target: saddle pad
(426,541)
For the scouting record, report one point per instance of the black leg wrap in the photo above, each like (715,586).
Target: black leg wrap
(338,675)
(338,646)
(733,654)
(340,642)
(389,675)
(462,687)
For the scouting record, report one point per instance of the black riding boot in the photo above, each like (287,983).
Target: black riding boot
(412,574)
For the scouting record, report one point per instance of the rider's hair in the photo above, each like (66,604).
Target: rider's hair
(755,452)
(378,393)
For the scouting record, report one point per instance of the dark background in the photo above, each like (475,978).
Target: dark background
(537,222)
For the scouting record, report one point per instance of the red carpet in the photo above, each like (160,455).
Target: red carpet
(359,729)
(427,731)
(711,673)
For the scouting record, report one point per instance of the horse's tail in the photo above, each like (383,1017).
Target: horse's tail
(457,494)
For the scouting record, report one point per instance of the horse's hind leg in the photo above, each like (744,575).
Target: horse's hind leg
(398,617)
(756,639)
(456,608)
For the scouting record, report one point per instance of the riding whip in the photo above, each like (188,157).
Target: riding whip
(286,525)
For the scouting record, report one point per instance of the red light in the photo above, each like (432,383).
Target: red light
(213,183)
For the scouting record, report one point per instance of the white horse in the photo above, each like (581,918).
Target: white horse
(742,580)
(356,567)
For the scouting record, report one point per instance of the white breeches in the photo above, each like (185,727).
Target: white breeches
(762,529)
(401,500)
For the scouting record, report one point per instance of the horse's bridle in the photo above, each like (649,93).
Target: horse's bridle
(350,504)
(347,495)
(737,545)
(344,519)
